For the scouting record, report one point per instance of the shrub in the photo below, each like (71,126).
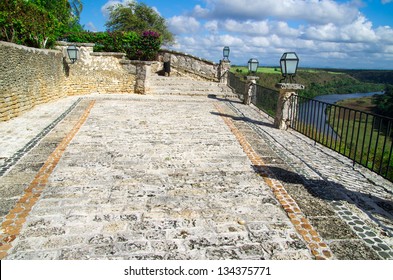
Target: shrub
(140,47)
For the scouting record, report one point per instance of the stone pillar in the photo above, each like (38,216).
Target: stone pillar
(223,69)
(143,73)
(284,107)
(251,89)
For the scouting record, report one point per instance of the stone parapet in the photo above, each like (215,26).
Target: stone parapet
(284,108)
(288,86)
(98,72)
(28,77)
(183,64)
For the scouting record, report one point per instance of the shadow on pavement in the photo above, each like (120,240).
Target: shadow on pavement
(332,191)
(244,119)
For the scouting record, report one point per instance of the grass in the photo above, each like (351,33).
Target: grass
(358,140)
(363,137)
(276,70)
(261,70)
(364,104)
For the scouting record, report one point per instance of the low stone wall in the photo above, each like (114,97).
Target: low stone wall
(188,65)
(28,77)
(98,72)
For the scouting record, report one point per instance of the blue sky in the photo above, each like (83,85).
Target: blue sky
(324,33)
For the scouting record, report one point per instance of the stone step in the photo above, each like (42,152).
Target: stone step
(182,82)
(188,91)
(190,87)
(186,86)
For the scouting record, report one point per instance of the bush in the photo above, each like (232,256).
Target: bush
(138,47)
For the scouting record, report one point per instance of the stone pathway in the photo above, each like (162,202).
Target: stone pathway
(351,208)
(164,177)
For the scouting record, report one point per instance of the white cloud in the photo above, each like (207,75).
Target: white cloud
(358,31)
(385,34)
(386,1)
(183,24)
(212,26)
(318,11)
(91,27)
(104,8)
(247,27)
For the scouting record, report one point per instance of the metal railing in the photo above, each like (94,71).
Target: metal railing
(365,138)
(237,85)
(265,98)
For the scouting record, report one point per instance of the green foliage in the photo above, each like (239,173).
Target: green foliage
(385,102)
(36,23)
(317,82)
(138,17)
(143,46)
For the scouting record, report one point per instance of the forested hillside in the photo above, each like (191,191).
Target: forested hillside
(321,82)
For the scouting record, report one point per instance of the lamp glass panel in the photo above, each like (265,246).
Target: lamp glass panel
(282,66)
(226,52)
(72,52)
(291,66)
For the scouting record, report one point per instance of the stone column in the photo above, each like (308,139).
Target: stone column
(223,69)
(284,108)
(143,73)
(251,89)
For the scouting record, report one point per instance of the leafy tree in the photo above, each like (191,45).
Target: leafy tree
(65,12)
(385,102)
(137,17)
(137,46)
(37,23)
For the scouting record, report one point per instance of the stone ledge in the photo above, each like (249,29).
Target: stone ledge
(290,86)
(115,54)
(189,55)
(62,43)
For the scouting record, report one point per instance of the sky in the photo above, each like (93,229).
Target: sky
(354,34)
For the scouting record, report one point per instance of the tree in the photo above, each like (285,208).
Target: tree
(37,23)
(138,17)
(76,8)
(66,12)
(385,102)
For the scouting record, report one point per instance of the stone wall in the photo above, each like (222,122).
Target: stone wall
(98,72)
(188,65)
(28,77)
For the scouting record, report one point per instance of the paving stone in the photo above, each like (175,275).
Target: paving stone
(189,197)
(353,250)
(150,177)
(333,228)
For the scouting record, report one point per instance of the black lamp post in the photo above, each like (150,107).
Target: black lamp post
(226,52)
(253,65)
(72,53)
(289,63)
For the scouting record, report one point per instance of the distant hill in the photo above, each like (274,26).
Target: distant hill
(325,81)
(372,76)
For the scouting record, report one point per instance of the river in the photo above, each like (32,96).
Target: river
(314,113)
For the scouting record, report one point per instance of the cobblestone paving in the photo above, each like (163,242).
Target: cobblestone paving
(150,177)
(154,178)
(352,208)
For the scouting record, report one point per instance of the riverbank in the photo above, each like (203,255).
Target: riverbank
(364,104)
